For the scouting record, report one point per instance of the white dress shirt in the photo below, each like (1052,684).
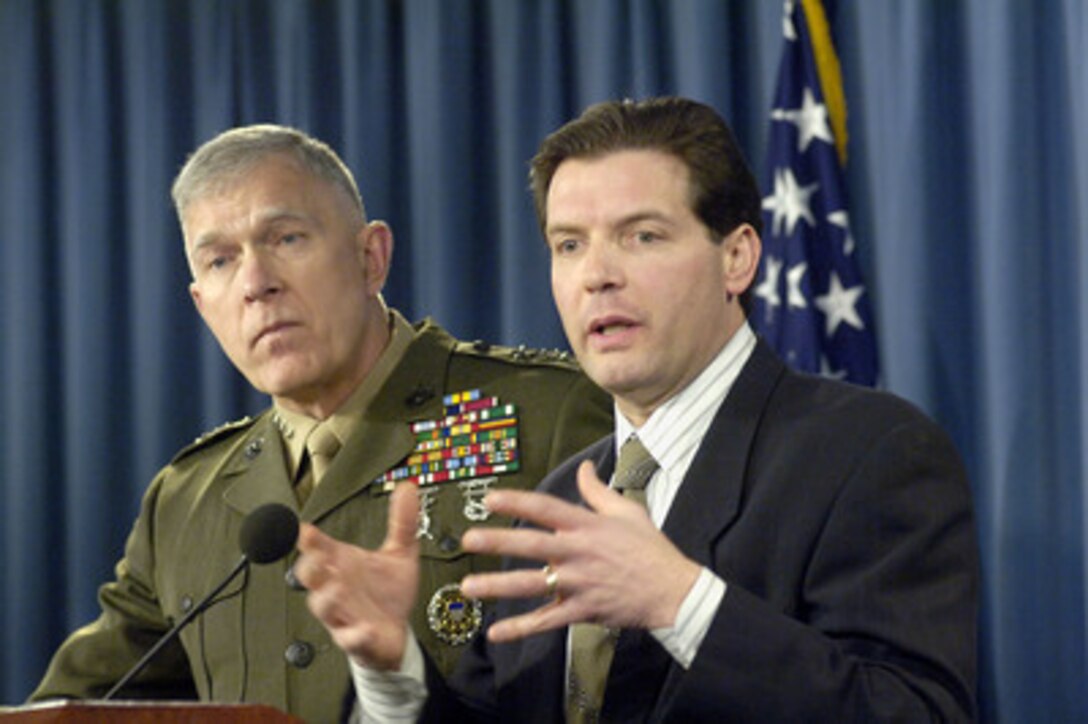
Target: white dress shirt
(672,434)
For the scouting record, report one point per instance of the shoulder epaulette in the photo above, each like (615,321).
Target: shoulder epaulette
(519,354)
(213,435)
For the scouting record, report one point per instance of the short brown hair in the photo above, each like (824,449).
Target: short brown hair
(724,193)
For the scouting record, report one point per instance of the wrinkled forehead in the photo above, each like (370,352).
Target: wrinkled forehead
(269,186)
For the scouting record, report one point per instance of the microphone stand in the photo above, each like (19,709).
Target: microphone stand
(173,632)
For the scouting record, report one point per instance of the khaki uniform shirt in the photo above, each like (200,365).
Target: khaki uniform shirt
(259,642)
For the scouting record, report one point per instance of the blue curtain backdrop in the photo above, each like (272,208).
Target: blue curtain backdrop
(968,179)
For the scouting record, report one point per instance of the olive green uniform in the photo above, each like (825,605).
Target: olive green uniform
(258,642)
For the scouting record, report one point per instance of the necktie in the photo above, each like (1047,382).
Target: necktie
(592,645)
(321,447)
(322,444)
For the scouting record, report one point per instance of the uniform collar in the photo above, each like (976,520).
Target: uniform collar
(295,427)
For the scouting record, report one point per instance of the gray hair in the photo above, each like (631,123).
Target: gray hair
(227,157)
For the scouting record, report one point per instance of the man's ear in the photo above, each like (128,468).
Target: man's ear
(741,250)
(374,244)
(194,294)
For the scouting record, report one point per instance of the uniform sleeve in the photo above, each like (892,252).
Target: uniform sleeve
(96,656)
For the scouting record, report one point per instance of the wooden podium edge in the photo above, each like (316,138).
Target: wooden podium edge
(138,712)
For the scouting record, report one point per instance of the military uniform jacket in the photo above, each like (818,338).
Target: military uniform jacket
(259,642)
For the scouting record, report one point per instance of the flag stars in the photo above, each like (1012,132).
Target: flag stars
(788,31)
(768,288)
(839,305)
(795,297)
(841,219)
(810,119)
(809,248)
(789,202)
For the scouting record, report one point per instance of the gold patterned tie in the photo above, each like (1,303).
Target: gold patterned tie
(592,645)
(321,447)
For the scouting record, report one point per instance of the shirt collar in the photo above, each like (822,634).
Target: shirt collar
(676,427)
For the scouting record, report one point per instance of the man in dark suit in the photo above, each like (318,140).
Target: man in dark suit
(773,547)
(288,272)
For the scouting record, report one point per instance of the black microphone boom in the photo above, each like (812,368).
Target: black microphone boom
(268,534)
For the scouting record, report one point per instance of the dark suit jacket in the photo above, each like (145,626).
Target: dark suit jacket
(840,520)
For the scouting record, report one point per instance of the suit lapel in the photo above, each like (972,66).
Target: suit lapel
(707,503)
(563,481)
(709,498)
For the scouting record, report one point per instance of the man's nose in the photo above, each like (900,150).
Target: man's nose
(259,277)
(601,267)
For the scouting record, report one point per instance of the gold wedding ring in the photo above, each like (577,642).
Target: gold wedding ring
(551,580)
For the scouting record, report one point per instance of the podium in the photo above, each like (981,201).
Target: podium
(144,712)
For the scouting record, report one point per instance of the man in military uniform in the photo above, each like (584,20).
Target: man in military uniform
(287,273)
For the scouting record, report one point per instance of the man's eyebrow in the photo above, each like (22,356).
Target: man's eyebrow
(274,215)
(562,229)
(624,221)
(203,242)
(640,216)
(264,218)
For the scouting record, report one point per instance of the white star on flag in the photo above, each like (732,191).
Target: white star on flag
(795,296)
(789,202)
(768,288)
(788,30)
(840,305)
(841,219)
(810,119)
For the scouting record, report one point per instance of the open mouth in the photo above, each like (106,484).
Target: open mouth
(606,329)
(612,327)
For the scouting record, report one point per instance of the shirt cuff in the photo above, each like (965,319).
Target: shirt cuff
(392,696)
(683,639)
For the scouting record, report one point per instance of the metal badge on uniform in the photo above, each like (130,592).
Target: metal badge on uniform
(452,616)
(474,492)
(426,502)
(474,442)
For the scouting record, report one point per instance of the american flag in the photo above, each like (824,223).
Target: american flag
(810,302)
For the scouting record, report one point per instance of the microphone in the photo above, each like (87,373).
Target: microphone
(268,534)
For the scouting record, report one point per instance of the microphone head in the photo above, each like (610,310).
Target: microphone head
(268,533)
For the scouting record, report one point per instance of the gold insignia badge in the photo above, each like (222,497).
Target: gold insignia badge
(452,616)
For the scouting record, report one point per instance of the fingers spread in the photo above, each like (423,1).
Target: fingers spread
(521,583)
(537,545)
(542,509)
(555,614)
